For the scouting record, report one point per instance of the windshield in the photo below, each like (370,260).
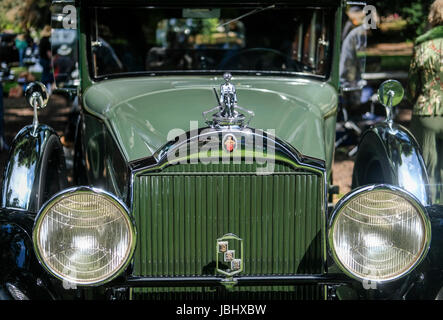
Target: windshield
(266,39)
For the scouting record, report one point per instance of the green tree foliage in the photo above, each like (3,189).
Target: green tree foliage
(10,14)
(20,15)
(417,16)
(414,11)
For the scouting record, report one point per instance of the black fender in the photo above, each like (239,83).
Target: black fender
(430,271)
(389,153)
(21,275)
(36,169)
(426,281)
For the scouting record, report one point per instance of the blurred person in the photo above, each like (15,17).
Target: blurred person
(425,91)
(21,45)
(28,38)
(63,64)
(355,16)
(352,66)
(45,57)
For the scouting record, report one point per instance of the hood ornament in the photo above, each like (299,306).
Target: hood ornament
(227,113)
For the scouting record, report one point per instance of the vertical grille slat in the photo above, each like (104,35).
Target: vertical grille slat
(307,292)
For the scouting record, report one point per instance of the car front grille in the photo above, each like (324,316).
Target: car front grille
(182,210)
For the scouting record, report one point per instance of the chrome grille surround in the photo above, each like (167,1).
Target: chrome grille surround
(291,159)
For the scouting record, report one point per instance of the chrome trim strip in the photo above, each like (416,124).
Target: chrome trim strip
(319,279)
(159,159)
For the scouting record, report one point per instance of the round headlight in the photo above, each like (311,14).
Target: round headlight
(84,236)
(379,233)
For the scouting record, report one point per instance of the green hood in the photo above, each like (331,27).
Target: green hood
(142,111)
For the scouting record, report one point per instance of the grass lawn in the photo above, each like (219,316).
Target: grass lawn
(386,62)
(395,62)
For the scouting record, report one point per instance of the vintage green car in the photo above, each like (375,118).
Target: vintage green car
(202,165)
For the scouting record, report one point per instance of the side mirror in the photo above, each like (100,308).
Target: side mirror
(37,96)
(390,94)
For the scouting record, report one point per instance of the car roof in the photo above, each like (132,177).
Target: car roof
(305,3)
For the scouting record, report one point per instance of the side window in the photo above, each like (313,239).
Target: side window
(311,42)
(322,45)
(64,46)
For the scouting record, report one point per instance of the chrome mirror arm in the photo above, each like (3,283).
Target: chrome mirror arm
(37,97)
(388,108)
(35,102)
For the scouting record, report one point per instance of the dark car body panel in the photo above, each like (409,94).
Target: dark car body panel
(23,174)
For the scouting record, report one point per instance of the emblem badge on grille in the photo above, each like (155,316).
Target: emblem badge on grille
(230,142)
(228,247)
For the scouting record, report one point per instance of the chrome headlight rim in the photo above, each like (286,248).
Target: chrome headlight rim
(377,187)
(84,189)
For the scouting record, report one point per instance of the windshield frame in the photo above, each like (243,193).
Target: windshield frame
(263,73)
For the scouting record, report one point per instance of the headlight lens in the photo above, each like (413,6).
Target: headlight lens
(84,236)
(379,233)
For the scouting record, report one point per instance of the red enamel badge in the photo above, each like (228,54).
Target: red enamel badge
(230,143)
